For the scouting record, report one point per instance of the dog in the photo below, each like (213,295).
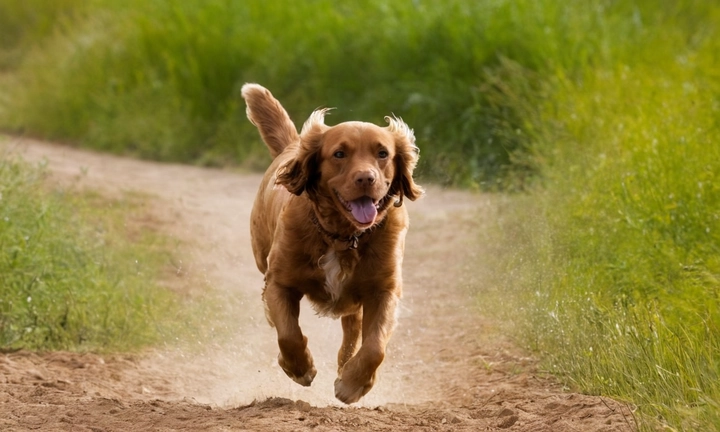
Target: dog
(329,224)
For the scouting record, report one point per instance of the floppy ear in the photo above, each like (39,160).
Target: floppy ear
(302,173)
(406,158)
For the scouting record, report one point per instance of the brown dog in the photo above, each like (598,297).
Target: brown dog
(328,223)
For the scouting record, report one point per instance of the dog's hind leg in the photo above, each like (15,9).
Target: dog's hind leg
(352,332)
(378,322)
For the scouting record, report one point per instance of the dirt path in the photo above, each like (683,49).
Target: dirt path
(445,370)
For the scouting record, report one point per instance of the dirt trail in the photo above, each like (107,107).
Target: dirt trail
(445,369)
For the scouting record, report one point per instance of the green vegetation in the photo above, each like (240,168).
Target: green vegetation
(619,277)
(69,276)
(24,23)
(617,269)
(161,79)
(605,114)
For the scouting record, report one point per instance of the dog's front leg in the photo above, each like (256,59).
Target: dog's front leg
(358,374)
(283,308)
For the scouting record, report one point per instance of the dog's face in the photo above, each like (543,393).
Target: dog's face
(356,165)
(359,168)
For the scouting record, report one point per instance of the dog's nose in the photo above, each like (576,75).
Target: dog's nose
(365,178)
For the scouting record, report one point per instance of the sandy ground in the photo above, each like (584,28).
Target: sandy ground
(448,368)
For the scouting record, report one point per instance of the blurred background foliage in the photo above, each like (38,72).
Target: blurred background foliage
(160,79)
(604,114)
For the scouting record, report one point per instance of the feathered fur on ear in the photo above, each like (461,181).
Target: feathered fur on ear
(302,173)
(406,158)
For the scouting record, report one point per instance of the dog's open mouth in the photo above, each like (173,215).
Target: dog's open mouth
(363,209)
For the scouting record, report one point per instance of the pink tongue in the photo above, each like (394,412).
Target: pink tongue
(363,210)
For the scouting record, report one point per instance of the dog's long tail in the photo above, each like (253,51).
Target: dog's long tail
(265,112)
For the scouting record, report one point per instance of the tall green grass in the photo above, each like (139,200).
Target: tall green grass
(70,278)
(25,23)
(617,273)
(161,78)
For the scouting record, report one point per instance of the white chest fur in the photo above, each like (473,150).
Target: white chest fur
(335,275)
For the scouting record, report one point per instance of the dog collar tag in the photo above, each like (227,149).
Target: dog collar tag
(353,242)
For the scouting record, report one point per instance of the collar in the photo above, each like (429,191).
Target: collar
(351,240)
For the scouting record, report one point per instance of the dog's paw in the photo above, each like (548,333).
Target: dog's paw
(304,377)
(350,394)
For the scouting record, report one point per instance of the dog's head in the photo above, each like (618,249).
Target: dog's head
(359,168)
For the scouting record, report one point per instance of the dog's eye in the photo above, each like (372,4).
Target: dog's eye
(383,154)
(339,154)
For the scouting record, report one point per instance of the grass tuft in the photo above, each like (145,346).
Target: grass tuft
(70,278)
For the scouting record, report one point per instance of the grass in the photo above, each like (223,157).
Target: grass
(604,114)
(618,269)
(160,79)
(74,273)
(24,23)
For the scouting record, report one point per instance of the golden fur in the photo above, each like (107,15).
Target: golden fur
(329,223)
